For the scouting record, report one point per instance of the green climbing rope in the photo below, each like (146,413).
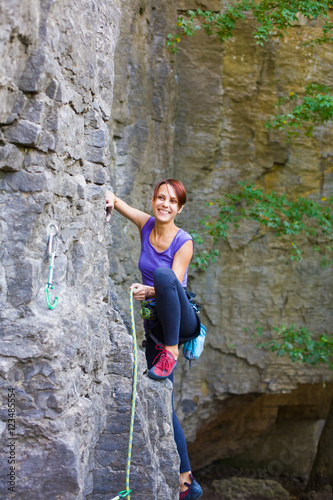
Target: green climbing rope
(126,493)
(135,376)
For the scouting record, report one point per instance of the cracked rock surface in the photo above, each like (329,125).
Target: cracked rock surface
(90,96)
(199,116)
(71,367)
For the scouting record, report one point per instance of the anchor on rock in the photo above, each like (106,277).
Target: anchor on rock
(52,247)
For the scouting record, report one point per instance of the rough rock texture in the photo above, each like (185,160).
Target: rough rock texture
(324,494)
(155,462)
(279,432)
(214,101)
(70,368)
(198,116)
(142,124)
(238,488)
(254,278)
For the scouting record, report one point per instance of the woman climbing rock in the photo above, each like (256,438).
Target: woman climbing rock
(166,251)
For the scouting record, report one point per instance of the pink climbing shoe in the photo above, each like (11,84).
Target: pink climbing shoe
(164,366)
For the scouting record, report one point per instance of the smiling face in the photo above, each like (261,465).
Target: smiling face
(165,205)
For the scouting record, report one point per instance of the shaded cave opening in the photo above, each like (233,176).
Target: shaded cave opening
(262,437)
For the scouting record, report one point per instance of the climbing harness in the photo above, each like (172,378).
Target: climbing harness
(52,247)
(148,309)
(145,311)
(126,493)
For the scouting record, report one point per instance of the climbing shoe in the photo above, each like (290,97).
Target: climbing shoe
(194,490)
(164,366)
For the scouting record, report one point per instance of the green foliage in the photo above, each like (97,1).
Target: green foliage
(315,107)
(300,345)
(214,23)
(284,218)
(275,213)
(326,37)
(273,18)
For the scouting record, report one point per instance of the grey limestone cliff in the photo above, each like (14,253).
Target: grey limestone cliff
(199,116)
(69,368)
(90,96)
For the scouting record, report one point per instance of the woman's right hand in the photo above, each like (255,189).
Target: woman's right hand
(140,291)
(133,214)
(109,204)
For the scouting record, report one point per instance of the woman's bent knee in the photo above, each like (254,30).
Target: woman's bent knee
(163,276)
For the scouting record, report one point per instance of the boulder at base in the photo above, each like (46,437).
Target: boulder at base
(242,488)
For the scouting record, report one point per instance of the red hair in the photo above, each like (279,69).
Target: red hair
(177,186)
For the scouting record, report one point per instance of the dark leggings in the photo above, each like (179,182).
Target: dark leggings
(177,319)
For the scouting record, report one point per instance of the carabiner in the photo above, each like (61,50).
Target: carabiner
(122,494)
(52,247)
(56,299)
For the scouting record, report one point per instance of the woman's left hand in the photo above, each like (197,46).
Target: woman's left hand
(140,291)
(109,204)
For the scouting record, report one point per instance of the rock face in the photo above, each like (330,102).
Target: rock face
(66,373)
(236,87)
(213,102)
(155,462)
(198,116)
(238,488)
(142,123)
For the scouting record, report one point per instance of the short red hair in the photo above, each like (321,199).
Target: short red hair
(177,186)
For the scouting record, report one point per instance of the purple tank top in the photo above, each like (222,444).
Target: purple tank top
(150,259)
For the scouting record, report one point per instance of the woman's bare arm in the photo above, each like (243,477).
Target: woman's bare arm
(182,259)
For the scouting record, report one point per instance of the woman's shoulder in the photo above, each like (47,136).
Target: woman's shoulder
(181,238)
(183,235)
